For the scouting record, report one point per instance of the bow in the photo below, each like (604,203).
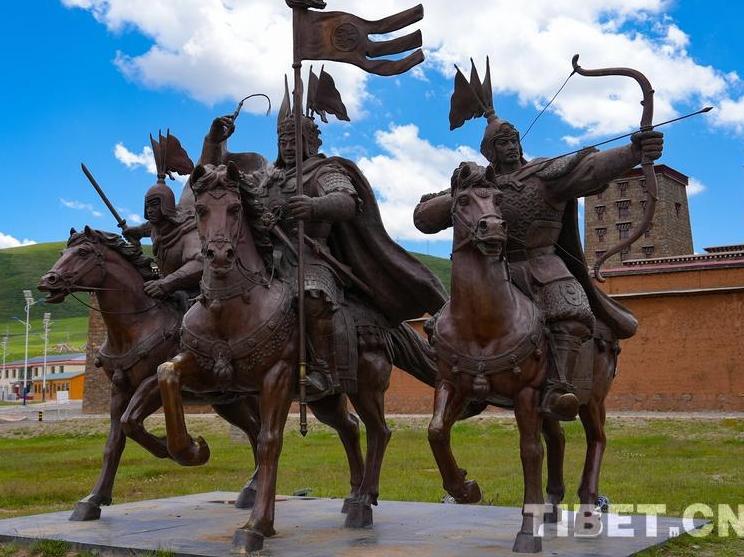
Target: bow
(646,164)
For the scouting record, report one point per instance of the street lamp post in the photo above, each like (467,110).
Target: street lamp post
(29,302)
(47,323)
(5,352)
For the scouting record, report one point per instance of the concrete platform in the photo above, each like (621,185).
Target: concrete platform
(203,525)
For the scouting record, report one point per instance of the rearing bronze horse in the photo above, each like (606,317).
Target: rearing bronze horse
(242,338)
(141,332)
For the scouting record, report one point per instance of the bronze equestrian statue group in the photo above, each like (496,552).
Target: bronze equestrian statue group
(256,255)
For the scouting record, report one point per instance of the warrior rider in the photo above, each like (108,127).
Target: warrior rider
(347,248)
(539,206)
(175,240)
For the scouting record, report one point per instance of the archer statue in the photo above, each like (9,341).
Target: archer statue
(540,200)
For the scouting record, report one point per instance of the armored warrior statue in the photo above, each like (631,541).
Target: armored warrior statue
(543,247)
(176,244)
(346,247)
(329,197)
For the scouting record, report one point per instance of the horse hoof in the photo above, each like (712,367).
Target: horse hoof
(247,541)
(85,511)
(347,503)
(196,454)
(358,515)
(246,499)
(527,543)
(603,504)
(472,494)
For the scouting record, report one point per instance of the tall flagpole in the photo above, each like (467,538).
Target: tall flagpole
(297,66)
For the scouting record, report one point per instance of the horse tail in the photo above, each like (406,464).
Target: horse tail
(411,353)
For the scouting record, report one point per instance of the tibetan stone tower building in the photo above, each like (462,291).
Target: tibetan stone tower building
(612,215)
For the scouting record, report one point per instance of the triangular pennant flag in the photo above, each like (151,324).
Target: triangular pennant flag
(170,156)
(328,98)
(475,82)
(285,110)
(464,104)
(312,92)
(177,159)
(488,88)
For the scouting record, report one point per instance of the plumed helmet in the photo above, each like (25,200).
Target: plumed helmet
(166,196)
(311,141)
(497,129)
(169,157)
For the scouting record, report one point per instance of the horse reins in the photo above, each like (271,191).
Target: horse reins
(68,285)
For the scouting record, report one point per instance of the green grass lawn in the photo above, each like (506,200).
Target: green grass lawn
(48,467)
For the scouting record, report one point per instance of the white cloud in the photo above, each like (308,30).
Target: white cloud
(222,49)
(409,168)
(730,114)
(134,218)
(133,160)
(216,49)
(695,187)
(532,50)
(143,160)
(7,241)
(129,216)
(80,206)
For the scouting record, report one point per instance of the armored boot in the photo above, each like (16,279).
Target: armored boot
(559,397)
(321,378)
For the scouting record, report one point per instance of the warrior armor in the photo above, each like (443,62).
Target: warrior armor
(536,202)
(334,199)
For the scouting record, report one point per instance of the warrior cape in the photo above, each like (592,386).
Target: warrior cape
(404,288)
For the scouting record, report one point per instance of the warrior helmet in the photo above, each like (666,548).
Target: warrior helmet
(311,141)
(495,130)
(323,98)
(474,99)
(169,156)
(167,199)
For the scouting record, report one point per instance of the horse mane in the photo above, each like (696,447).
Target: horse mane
(133,254)
(248,186)
(469,175)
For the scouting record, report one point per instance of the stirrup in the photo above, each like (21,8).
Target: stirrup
(556,391)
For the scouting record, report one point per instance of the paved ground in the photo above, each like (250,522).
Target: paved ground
(203,525)
(51,411)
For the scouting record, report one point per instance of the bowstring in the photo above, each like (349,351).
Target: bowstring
(534,121)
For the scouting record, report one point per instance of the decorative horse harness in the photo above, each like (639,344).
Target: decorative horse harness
(480,368)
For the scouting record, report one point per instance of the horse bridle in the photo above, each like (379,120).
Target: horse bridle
(69,286)
(67,279)
(242,269)
(471,227)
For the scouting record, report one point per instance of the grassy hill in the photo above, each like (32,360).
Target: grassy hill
(21,268)
(442,268)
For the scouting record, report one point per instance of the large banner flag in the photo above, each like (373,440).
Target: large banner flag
(339,37)
(344,37)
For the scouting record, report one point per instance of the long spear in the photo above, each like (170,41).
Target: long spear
(341,37)
(297,66)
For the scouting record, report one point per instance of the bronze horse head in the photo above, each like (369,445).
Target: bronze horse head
(219,221)
(476,212)
(83,264)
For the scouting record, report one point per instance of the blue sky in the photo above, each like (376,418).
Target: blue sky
(83,76)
